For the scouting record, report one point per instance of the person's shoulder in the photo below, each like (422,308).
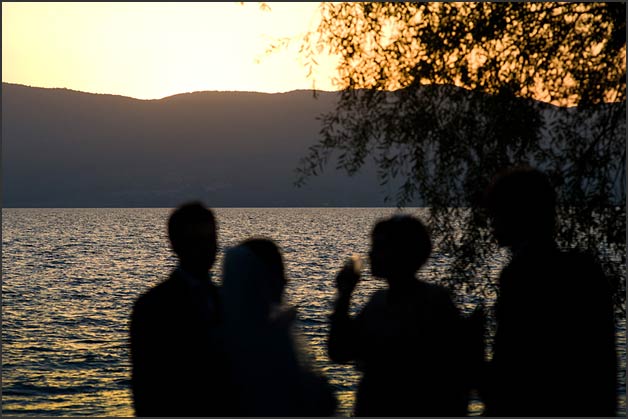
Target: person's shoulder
(582,266)
(378,298)
(579,257)
(439,299)
(283,316)
(434,290)
(377,301)
(157,295)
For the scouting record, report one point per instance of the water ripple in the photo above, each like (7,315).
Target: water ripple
(70,277)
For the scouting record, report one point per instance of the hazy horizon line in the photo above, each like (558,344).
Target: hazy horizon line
(229,207)
(314,91)
(172,95)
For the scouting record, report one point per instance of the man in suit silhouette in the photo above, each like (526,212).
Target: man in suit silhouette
(178,368)
(554,349)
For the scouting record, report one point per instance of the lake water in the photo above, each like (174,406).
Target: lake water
(70,277)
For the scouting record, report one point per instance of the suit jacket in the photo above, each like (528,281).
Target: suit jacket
(178,363)
(554,351)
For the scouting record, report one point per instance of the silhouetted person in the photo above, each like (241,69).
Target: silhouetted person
(407,340)
(271,376)
(554,349)
(178,366)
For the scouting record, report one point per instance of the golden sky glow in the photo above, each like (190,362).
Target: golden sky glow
(153,50)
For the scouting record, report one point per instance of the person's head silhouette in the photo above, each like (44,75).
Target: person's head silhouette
(192,233)
(521,206)
(400,245)
(268,252)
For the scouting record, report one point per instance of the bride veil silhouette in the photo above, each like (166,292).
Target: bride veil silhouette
(269,371)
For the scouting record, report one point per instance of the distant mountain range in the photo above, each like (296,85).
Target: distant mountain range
(63,148)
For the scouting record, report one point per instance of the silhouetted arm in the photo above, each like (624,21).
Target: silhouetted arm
(594,327)
(453,357)
(139,360)
(146,381)
(341,346)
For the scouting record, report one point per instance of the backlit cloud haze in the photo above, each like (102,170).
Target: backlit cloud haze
(154,50)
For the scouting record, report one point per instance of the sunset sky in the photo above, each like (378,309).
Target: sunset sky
(154,50)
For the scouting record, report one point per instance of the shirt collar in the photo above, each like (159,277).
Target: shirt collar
(191,280)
